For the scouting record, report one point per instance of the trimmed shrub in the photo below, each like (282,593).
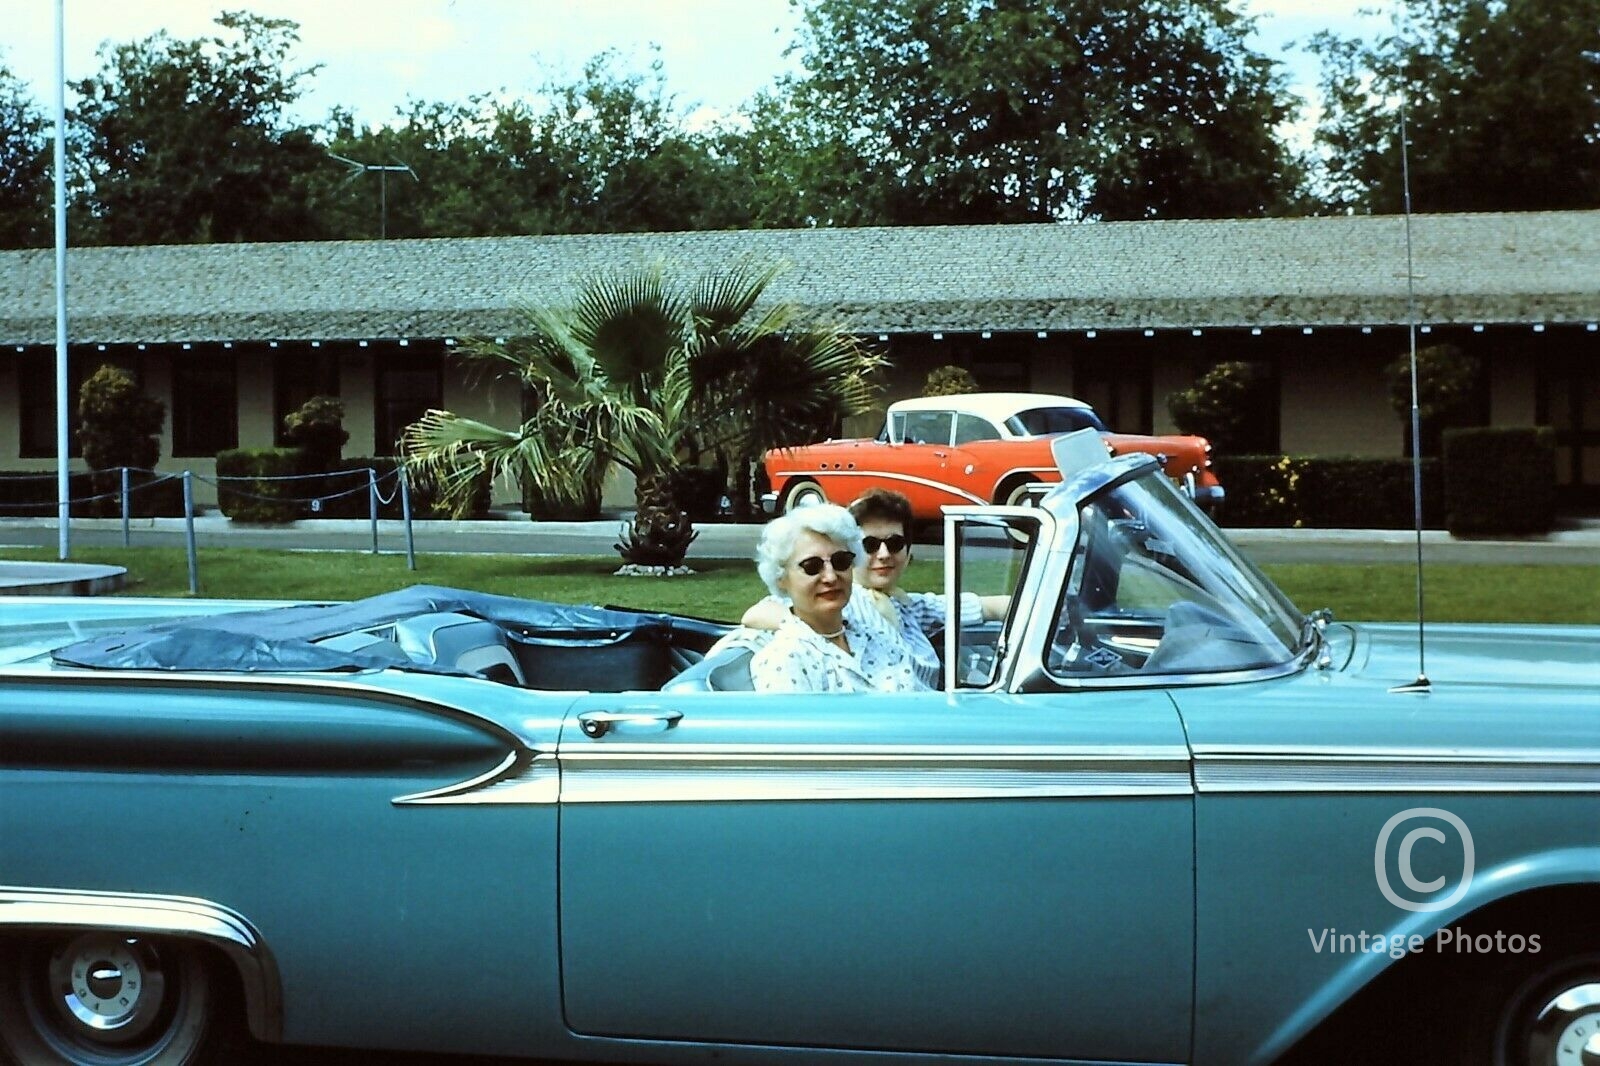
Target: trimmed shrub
(541,508)
(1325,492)
(260,500)
(1233,405)
(698,490)
(1499,480)
(1450,392)
(316,427)
(27,494)
(345,495)
(118,425)
(949,380)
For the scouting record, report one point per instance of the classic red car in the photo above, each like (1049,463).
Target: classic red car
(982,447)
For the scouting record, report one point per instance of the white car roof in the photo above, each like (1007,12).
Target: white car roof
(995,406)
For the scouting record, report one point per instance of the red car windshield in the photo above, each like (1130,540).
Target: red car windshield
(1044,420)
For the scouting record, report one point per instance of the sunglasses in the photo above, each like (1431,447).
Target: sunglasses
(896,544)
(841,561)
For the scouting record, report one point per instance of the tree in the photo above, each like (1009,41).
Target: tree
(1232,406)
(1503,108)
(607,152)
(25,176)
(641,371)
(976,111)
(191,140)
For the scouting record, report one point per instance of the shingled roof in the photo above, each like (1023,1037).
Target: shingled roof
(1489,268)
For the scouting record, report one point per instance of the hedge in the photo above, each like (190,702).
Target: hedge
(353,475)
(1499,480)
(1318,492)
(274,500)
(27,494)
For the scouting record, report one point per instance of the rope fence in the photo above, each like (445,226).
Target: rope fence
(126,490)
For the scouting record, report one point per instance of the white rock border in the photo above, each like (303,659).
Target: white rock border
(636,570)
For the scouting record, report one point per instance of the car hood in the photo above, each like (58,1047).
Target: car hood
(1564,657)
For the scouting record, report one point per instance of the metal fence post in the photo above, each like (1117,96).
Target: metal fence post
(405,512)
(126,508)
(188,526)
(372,505)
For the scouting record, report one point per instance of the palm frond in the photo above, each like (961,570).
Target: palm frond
(721,299)
(630,322)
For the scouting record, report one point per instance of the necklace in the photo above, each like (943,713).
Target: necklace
(835,635)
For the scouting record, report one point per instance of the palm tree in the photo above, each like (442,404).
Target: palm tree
(643,373)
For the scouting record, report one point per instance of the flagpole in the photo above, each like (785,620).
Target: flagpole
(63,441)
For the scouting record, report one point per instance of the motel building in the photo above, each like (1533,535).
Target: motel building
(233,337)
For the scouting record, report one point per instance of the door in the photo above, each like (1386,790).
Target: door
(1569,402)
(969,873)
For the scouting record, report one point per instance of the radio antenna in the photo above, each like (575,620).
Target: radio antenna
(1421,684)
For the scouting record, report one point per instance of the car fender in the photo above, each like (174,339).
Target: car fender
(1512,877)
(51,910)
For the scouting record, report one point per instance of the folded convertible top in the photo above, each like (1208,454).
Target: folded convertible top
(282,638)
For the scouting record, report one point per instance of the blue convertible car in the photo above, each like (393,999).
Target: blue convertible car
(1156,816)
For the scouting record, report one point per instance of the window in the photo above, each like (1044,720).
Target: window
(926,427)
(1043,420)
(36,402)
(298,377)
(205,405)
(408,386)
(970,428)
(991,557)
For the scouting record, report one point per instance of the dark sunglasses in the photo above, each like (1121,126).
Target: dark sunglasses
(840,561)
(896,544)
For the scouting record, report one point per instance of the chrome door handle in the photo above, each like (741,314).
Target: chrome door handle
(599,723)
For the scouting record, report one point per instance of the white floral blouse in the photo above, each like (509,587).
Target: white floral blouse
(922,613)
(798,659)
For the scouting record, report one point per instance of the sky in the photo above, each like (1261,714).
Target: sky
(377,53)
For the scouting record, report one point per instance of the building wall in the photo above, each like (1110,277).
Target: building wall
(1334,400)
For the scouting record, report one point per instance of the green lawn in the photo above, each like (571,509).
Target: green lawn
(723,588)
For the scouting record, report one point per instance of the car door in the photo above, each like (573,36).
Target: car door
(978,872)
(921,461)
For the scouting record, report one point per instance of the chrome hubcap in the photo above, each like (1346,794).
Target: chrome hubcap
(1566,1030)
(107,988)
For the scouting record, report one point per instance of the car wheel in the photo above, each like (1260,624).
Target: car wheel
(1550,1017)
(1022,493)
(802,493)
(103,998)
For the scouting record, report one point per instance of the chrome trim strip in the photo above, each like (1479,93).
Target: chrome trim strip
(600,776)
(49,909)
(1293,752)
(301,683)
(577,751)
(909,479)
(523,778)
(1261,773)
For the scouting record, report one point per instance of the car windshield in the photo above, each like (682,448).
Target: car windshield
(1155,588)
(1043,420)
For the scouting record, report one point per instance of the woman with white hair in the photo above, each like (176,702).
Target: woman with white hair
(807,557)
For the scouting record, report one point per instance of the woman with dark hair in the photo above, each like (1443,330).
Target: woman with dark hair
(885,521)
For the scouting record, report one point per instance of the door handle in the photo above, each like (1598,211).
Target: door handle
(599,723)
(942,455)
